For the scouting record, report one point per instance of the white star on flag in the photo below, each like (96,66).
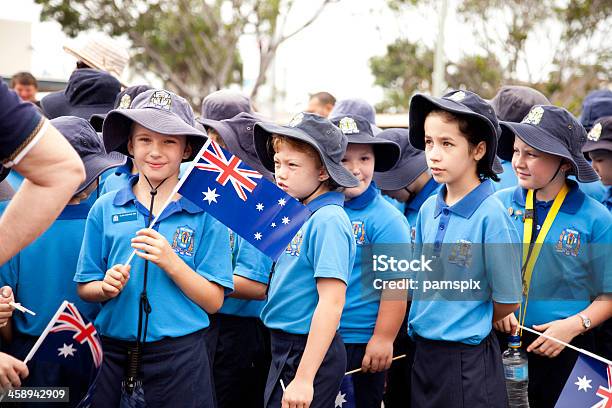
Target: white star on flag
(210,195)
(282,202)
(66,351)
(583,384)
(258,236)
(340,400)
(273,225)
(259,207)
(286,220)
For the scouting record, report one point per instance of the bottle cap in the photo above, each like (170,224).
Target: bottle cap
(514,341)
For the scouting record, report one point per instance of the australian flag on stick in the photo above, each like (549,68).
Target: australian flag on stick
(588,386)
(71,345)
(240,198)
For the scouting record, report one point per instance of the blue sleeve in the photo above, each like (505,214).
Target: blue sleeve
(331,248)
(9,273)
(392,237)
(251,263)
(213,255)
(19,123)
(502,260)
(93,261)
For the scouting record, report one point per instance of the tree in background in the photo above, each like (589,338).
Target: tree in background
(191,45)
(581,50)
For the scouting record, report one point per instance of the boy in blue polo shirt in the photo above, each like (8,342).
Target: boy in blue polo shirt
(155,310)
(307,289)
(50,262)
(566,232)
(241,351)
(457,360)
(371,319)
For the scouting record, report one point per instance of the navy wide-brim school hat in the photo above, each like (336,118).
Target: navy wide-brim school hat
(327,140)
(158,110)
(461,103)
(359,131)
(551,130)
(409,167)
(237,133)
(600,136)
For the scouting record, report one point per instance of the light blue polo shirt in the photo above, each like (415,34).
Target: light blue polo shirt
(478,226)
(507,178)
(374,221)
(41,273)
(323,248)
(594,189)
(607,200)
(250,263)
(574,263)
(117,178)
(200,241)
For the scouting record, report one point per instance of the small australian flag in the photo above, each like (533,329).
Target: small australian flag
(241,199)
(589,385)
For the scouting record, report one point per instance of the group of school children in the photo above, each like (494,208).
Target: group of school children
(209,321)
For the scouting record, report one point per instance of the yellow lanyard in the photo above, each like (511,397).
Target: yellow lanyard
(531,253)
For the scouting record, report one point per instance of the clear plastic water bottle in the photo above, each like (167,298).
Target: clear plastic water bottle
(515,371)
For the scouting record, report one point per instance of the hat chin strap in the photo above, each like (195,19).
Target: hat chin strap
(301,200)
(556,172)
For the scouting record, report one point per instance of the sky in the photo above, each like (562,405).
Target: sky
(330,55)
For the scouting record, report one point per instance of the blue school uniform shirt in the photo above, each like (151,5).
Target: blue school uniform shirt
(199,240)
(607,201)
(411,209)
(507,178)
(323,248)
(117,178)
(571,267)
(594,189)
(477,219)
(250,263)
(41,273)
(374,221)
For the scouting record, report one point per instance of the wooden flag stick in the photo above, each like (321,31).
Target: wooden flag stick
(583,351)
(359,369)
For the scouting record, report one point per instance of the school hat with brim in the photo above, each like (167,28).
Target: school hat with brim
(596,104)
(513,102)
(551,130)
(409,167)
(359,131)
(327,140)
(461,103)
(122,101)
(158,110)
(103,53)
(600,136)
(84,139)
(359,107)
(225,104)
(237,133)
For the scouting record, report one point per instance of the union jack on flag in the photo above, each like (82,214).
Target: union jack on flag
(232,170)
(589,385)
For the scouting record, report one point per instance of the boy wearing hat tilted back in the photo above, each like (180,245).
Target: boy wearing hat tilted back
(565,233)
(371,318)
(307,288)
(155,310)
(50,262)
(462,230)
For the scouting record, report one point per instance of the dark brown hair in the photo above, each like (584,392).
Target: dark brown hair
(24,78)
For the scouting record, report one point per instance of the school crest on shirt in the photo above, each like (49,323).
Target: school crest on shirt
(595,133)
(359,232)
(232,237)
(569,242)
(534,116)
(125,102)
(461,253)
(348,126)
(293,248)
(182,241)
(161,100)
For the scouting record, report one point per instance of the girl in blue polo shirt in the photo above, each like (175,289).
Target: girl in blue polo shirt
(307,288)
(465,234)
(565,233)
(155,310)
(371,318)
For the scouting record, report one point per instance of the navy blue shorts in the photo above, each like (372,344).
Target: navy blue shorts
(242,361)
(368,387)
(455,375)
(397,391)
(175,373)
(287,351)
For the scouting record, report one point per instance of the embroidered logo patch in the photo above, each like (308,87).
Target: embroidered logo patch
(461,253)
(569,242)
(232,237)
(348,126)
(124,217)
(182,241)
(457,96)
(534,117)
(359,232)
(125,102)
(293,248)
(297,119)
(161,100)
(595,133)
